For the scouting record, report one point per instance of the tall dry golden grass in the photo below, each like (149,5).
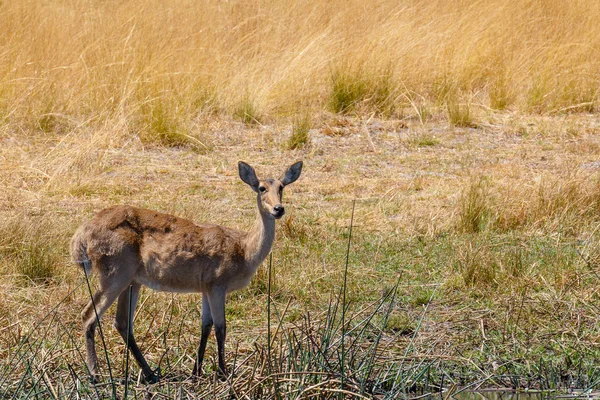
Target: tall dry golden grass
(65,63)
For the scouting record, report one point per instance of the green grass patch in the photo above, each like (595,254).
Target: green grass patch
(423,138)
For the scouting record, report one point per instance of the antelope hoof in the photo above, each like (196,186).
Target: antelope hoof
(94,379)
(222,375)
(152,377)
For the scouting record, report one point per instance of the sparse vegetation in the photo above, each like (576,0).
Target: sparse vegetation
(423,138)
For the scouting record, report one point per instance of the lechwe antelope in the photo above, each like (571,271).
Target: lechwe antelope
(131,247)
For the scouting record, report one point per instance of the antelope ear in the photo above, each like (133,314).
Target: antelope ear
(248,175)
(292,173)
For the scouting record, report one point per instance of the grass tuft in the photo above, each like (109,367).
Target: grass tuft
(401,324)
(161,125)
(477,268)
(423,138)
(299,137)
(500,94)
(29,252)
(459,114)
(247,112)
(347,90)
(54,123)
(474,206)
(356,90)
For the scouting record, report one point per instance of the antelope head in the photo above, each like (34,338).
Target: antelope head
(269,191)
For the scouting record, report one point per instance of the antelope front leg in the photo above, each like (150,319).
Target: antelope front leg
(217,307)
(207,324)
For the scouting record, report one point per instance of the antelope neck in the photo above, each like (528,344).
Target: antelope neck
(259,240)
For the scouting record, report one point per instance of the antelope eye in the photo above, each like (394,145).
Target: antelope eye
(262,189)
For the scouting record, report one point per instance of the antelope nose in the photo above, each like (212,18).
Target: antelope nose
(279,209)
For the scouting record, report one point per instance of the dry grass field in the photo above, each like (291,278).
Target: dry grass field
(466,133)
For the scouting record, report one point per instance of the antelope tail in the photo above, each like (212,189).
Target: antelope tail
(79,253)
